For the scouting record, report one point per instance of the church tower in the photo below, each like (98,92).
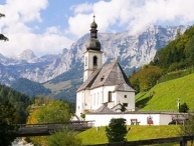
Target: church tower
(93,54)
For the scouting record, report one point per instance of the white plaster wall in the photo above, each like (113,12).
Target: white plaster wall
(104,119)
(87,101)
(88,62)
(165,119)
(96,96)
(100,96)
(79,103)
(106,90)
(130,99)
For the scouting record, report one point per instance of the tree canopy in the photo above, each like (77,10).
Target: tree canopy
(178,54)
(145,78)
(116,130)
(7,123)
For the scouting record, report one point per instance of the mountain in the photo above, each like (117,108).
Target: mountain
(131,51)
(178,54)
(28,57)
(30,88)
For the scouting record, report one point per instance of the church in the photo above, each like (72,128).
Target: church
(106,92)
(104,87)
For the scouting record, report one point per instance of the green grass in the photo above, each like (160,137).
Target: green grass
(94,136)
(166,95)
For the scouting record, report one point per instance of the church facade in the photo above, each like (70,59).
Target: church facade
(103,86)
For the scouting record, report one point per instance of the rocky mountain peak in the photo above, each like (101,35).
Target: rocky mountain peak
(28,56)
(130,51)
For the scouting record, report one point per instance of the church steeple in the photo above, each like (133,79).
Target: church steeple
(93,43)
(93,54)
(93,30)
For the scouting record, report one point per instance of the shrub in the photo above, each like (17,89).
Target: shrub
(116,130)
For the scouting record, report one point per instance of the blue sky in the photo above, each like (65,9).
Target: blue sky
(48,26)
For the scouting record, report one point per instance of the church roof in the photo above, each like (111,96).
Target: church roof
(108,75)
(103,109)
(124,87)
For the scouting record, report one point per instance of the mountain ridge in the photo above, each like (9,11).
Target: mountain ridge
(130,51)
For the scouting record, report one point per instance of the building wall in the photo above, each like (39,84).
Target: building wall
(158,119)
(99,96)
(126,97)
(165,119)
(88,62)
(79,103)
(91,100)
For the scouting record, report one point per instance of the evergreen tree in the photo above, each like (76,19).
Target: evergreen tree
(7,123)
(116,130)
(184,108)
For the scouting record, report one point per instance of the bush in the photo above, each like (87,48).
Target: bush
(184,108)
(187,129)
(117,130)
(65,137)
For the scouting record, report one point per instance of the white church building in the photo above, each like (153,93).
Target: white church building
(103,85)
(106,92)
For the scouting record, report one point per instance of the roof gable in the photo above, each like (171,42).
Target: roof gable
(108,75)
(103,109)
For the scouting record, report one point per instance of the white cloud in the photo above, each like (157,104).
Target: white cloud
(136,14)
(82,8)
(41,44)
(21,37)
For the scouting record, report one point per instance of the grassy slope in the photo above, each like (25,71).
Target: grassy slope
(166,95)
(164,99)
(92,136)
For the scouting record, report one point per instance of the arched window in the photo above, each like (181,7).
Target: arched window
(95,61)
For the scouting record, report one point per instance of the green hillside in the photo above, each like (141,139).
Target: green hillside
(29,87)
(93,136)
(164,96)
(18,100)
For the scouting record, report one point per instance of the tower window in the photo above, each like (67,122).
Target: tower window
(95,61)
(109,96)
(125,96)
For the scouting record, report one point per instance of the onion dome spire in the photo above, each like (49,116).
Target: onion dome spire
(93,43)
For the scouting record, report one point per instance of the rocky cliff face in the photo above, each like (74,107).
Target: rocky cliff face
(130,51)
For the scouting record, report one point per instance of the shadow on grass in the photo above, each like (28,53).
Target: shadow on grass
(141,103)
(141,96)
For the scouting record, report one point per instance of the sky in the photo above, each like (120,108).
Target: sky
(48,26)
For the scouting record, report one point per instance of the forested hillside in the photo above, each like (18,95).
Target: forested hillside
(177,55)
(19,101)
(29,87)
